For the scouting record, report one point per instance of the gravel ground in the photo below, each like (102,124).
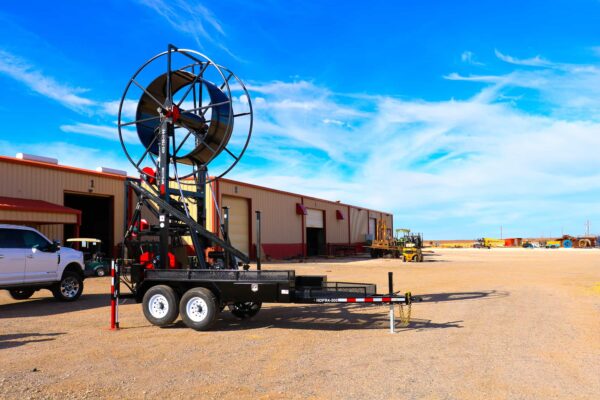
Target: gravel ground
(495,324)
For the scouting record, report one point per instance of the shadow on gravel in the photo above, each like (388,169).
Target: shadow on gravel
(482,295)
(51,306)
(322,318)
(20,339)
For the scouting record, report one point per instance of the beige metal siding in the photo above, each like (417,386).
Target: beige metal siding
(280,223)
(372,228)
(37,217)
(314,219)
(27,181)
(358,225)
(238,222)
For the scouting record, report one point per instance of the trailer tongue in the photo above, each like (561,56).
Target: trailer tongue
(180,136)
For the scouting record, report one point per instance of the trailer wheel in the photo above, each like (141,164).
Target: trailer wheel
(160,305)
(198,308)
(245,310)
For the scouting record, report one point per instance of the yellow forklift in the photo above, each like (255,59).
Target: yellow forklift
(412,246)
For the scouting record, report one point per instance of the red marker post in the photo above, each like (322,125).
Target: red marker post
(114,296)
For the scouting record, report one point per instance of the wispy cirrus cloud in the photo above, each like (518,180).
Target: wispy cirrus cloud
(193,19)
(108,132)
(469,58)
(536,61)
(478,162)
(33,78)
(565,89)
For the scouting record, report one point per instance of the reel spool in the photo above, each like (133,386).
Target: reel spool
(198,96)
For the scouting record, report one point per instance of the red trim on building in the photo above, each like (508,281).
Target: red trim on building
(303,230)
(283,250)
(301,209)
(349,228)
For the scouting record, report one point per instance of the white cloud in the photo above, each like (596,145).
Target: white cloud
(569,91)
(20,70)
(101,131)
(472,164)
(112,108)
(193,19)
(536,61)
(469,58)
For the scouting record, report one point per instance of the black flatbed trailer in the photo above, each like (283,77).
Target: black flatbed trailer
(244,291)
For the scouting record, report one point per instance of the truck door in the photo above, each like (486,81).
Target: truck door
(12,257)
(41,262)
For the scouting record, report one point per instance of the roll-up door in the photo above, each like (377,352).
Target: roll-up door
(238,222)
(314,219)
(372,227)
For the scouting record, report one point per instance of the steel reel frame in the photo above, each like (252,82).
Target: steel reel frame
(226,75)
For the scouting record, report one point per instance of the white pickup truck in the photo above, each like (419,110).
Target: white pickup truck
(30,262)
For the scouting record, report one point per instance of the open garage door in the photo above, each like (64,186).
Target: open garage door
(315,232)
(239,222)
(97,218)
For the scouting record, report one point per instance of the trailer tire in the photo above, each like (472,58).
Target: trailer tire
(160,305)
(198,308)
(245,310)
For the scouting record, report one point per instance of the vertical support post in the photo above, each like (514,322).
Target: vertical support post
(258,241)
(163,184)
(391,290)
(226,237)
(117,292)
(114,295)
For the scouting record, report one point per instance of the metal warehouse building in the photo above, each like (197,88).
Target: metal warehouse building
(64,202)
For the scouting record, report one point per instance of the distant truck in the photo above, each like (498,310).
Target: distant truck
(488,243)
(29,261)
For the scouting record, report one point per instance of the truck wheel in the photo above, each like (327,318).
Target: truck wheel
(198,308)
(160,305)
(69,288)
(21,294)
(100,272)
(245,310)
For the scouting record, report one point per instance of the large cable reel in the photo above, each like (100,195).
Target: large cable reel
(199,97)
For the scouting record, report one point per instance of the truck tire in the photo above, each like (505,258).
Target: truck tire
(160,305)
(69,288)
(21,294)
(198,308)
(100,272)
(245,310)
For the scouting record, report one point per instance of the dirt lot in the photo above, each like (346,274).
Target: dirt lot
(521,324)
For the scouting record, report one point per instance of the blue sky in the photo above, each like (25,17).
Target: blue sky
(458,117)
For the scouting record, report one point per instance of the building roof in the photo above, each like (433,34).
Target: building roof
(64,168)
(252,185)
(17,204)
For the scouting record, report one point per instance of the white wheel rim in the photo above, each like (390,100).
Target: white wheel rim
(100,272)
(196,309)
(69,287)
(158,306)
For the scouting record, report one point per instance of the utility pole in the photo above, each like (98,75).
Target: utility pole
(500,231)
(587,228)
